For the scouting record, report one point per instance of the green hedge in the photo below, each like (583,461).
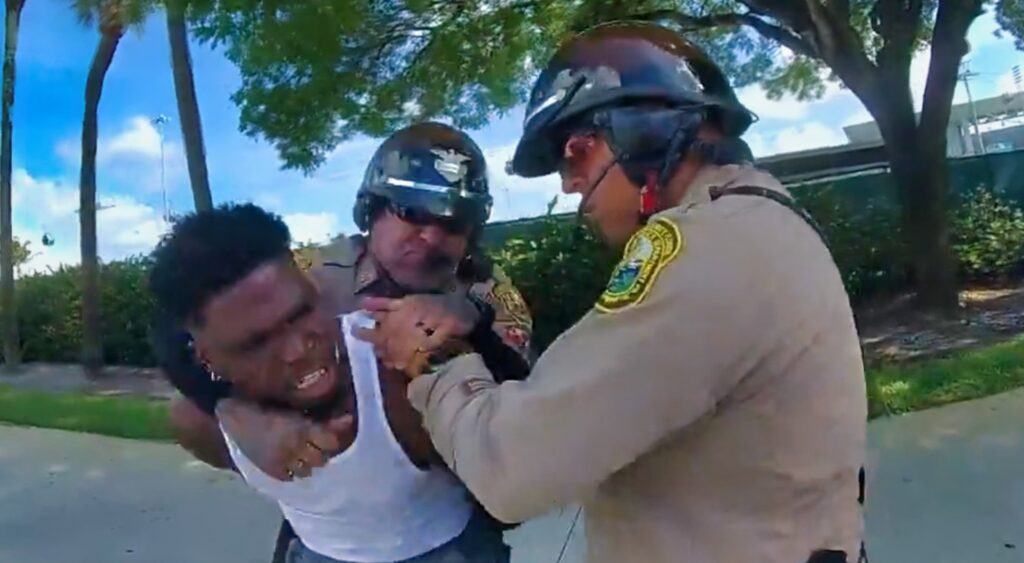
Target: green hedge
(560,268)
(50,314)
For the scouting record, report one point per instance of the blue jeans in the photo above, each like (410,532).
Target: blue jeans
(480,542)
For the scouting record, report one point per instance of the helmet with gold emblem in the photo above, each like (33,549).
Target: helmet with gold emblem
(429,169)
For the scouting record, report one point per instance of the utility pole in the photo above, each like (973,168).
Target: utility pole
(966,76)
(160,121)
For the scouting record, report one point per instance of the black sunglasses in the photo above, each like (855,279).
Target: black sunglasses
(422,218)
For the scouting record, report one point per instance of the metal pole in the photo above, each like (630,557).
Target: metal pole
(160,121)
(967,74)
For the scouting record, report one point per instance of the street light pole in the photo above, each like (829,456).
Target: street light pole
(966,76)
(160,121)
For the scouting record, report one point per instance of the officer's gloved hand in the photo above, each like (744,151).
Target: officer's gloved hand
(284,445)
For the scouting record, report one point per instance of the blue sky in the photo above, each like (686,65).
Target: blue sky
(54,57)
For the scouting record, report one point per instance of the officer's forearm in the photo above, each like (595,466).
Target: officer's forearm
(468,423)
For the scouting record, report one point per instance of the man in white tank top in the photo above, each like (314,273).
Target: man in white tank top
(258,322)
(422,204)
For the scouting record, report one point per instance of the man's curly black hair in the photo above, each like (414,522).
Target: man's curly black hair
(209,251)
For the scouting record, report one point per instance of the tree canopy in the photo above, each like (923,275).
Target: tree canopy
(314,73)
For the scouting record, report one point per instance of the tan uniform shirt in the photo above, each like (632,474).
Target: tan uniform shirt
(711,408)
(333,266)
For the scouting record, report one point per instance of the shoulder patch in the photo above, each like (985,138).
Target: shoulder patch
(645,256)
(509,300)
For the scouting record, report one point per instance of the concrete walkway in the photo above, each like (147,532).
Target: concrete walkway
(945,486)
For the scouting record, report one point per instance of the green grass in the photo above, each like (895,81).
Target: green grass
(892,389)
(963,376)
(124,417)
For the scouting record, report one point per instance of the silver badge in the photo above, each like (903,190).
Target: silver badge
(450,164)
(689,77)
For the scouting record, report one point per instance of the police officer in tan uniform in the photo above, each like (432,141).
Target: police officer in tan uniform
(711,407)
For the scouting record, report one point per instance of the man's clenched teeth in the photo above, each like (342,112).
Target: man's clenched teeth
(310,378)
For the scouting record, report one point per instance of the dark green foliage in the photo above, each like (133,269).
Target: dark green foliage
(865,239)
(560,268)
(988,236)
(315,73)
(50,320)
(1010,15)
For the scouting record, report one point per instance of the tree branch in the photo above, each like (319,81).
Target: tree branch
(897,22)
(841,8)
(776,33)
(949,45)
(841,48)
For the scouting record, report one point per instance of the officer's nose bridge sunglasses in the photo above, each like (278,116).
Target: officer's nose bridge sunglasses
(423,218)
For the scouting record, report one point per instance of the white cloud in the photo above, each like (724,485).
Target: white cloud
(1006,85)
(137,138)
(516,197)
(858,117)
(811,135)
(140,138)
(47,200)
(983,30)
(312,227)
(131,156)
(787,108)
(50,206)
(269,200)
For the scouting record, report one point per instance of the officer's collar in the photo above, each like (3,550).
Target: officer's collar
(724,177)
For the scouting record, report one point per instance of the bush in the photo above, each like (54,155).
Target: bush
(560,268)
(50,316)
(865,239)
(987,236)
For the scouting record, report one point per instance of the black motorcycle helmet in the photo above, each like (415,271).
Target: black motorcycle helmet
(428,167)
(625,65)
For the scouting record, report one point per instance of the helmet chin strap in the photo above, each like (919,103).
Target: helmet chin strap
(593,188)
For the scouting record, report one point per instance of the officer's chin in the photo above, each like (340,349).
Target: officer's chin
(426,278)
(611,238)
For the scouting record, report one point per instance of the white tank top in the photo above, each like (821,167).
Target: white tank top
(369,504)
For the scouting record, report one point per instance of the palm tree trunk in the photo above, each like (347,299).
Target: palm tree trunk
(92,343)
(188,107)
(8,313)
